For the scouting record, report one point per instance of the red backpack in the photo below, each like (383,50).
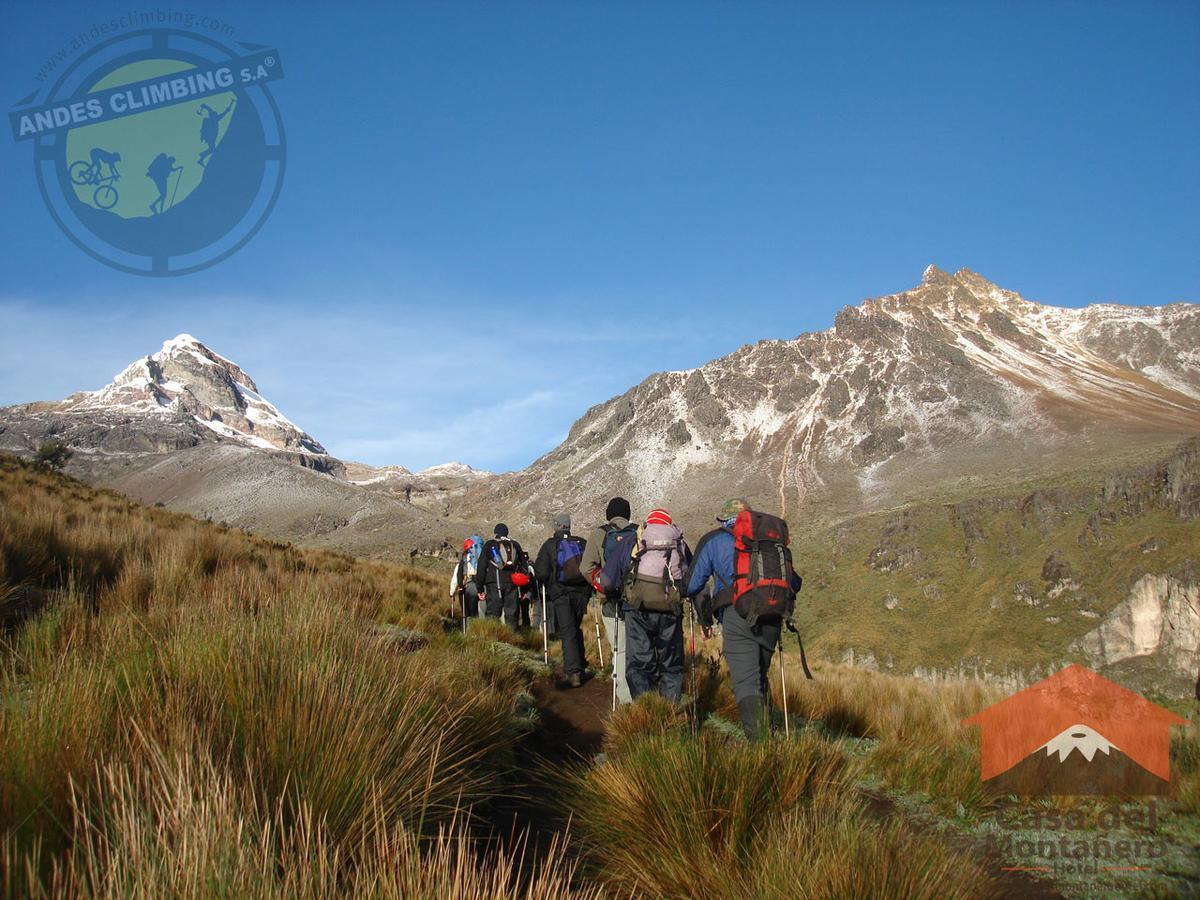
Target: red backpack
(762,580)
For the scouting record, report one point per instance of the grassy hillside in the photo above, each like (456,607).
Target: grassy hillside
(187,710)
(1000,583)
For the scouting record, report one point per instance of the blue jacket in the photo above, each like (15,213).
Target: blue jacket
(714,559)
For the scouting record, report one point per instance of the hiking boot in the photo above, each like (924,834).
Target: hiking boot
(574,680)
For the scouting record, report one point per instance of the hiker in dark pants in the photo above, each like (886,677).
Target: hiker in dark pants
(649,570)
(748,650)
(558,573)
(501,575)
(602,543)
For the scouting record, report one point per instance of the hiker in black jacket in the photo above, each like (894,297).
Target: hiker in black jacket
(501,575)
(567,592)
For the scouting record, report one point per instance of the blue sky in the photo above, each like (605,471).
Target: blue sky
(498,214)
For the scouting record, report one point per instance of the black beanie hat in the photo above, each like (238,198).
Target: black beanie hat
(618,508)
(501,530)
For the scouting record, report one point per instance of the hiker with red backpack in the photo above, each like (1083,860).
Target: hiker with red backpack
(501,575)
(603,543)
(649,573)
(753,596)
(567,592)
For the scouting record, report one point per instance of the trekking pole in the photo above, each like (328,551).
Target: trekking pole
(616,650)
(692,641)
(545,637)
(178,178)
(787,727)
(599,643)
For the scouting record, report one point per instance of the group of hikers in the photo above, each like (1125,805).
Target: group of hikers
(740,578)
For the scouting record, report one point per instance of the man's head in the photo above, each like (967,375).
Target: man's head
(468,544)
(730,509)
(562,522)
(501,530)
(618,508)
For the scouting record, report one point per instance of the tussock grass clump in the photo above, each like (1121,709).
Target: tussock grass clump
(650,714)
(922,744)
(712,817)
(1185,752)
(184,827)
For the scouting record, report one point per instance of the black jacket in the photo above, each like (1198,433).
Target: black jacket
(545,568)
(488,573)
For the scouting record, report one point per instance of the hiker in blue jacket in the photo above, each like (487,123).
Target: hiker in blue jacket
(748,650)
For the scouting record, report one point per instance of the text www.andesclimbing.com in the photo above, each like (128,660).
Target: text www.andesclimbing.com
(147,18)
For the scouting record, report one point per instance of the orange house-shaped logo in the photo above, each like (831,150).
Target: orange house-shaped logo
(1076,733)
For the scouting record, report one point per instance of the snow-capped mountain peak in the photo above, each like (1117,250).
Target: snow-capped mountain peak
(187,379)
(1078,738)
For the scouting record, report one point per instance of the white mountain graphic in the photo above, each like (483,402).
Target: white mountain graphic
(1087,741)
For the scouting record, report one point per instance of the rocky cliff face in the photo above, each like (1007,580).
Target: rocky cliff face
(954,379)
(1160,618)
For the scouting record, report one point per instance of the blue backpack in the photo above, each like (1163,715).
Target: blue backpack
(614,537)
(567,560)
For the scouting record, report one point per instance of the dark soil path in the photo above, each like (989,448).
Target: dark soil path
(570,734)
(572,718)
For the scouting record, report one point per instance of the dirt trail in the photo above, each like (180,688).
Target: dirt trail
(572,718)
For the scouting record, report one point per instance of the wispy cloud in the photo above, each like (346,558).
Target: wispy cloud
(412,386)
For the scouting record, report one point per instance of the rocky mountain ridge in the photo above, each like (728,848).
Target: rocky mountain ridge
(955,379)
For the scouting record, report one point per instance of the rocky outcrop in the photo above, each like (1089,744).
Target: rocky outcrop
(1160,617)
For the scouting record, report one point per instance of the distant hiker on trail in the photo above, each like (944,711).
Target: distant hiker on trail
(600,545)
(462,580)
(748,645)
(104,157)
(209,129)
(649,573)
(567,590)
(501,575)
(160,172)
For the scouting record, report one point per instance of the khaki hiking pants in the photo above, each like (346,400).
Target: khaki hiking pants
(611,626)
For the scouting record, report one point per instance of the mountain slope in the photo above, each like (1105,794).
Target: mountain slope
(956,380)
